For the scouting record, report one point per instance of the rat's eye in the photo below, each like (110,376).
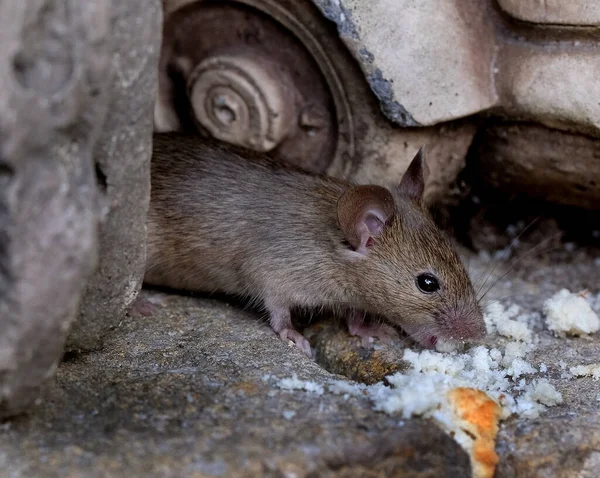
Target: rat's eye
(427,283)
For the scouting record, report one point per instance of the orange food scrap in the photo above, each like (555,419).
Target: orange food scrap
(478,417)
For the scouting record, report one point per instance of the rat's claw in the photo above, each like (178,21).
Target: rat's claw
(298,339)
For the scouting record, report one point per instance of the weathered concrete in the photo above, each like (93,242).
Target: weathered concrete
(555,85)
(192,391)
(426,61)
(541,163)
(122,158)
(53,92)
(555,12)
(430,62)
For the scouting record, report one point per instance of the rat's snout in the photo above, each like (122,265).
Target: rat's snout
(465,325)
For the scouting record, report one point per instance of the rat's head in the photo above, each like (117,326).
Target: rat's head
(405,267)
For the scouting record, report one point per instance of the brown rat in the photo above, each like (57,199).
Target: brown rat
(229,220)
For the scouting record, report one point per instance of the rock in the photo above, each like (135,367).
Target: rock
(555,12)
(541,163)
(430,62)
(556,87)
(122,158)
(192,391)
(53,95)
(426,61)
(384,160)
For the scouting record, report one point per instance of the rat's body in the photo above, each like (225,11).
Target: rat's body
(255,227)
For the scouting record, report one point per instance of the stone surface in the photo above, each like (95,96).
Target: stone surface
(430,62)
(557,12)
(426,61)
(192,391)
(53,93)
(387,154)
(122,158)
(542,163)
(554,85)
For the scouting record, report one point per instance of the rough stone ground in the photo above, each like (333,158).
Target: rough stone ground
(185,393)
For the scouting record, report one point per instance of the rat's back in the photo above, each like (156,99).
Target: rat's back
(222,222)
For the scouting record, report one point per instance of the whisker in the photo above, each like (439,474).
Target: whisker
(505,255)
(511,268)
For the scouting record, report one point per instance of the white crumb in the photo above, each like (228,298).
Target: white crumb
(347,389)
(562,364)
(289,414)
(539,395)
(543,368)
(570,314)
(544,392)
(501,320)
(592,370)
(446,345)
(512,351)
(295,383)
(519,367)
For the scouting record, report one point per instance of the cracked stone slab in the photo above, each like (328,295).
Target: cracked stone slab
(420,79)
(122,158)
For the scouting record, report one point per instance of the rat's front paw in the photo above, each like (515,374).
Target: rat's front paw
(386,333)
(142,307)
(298,339)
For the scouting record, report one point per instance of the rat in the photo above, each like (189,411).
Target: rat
(225,219)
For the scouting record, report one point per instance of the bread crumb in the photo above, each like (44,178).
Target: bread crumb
(500,320)
(545,393)
(538,395)
(475,428)
(592,370)
(347,389)
(295,383)
(519,367)
(570,314)
(289,414)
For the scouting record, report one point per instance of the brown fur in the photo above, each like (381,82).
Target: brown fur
(224,219)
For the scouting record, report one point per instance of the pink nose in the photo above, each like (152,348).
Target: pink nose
(466,327)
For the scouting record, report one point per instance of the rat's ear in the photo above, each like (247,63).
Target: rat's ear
(412,184)
(362,213)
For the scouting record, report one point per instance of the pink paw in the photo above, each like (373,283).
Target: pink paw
(142,308)
(298,339)
(386,333)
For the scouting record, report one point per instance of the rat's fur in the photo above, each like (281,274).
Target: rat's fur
(225,219)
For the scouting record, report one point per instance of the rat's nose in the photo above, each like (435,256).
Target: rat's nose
(469,326)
